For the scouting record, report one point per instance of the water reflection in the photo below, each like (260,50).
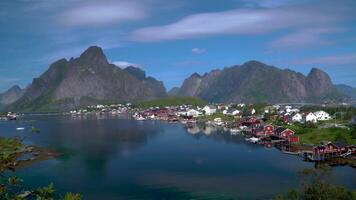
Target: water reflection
(111,158)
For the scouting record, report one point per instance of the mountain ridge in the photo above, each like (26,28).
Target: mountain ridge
(255,81)
(86,80)
(91,79)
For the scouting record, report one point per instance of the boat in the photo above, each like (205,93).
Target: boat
(234,131)
(140,118)
(252,140)
(20,128)
(218,122)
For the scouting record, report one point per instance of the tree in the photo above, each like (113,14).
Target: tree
(315,187)
(11,188)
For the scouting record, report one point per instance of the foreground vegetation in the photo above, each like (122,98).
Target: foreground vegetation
(12,188)
(172,101)
(316,187)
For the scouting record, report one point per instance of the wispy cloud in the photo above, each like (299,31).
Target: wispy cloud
(305,38)
(101,13)
(272,3)
(124,64)
(329,60)
(9,80)
(251,21)
(198,50)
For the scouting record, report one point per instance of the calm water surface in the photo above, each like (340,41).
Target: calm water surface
(125,159)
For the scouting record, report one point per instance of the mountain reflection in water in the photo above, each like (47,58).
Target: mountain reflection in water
(111,158)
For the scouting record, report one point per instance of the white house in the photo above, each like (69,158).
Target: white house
(253,111)
(208,110)
(297,118)
(322,115)
(310,117)
(193,113)
(231,112)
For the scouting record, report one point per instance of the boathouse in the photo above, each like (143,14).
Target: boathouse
(283,132)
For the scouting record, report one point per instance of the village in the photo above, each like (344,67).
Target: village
(278,125)
(269,126)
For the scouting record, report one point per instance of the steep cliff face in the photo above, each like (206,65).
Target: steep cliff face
(319,86)
(87,80)
(11,95)
(257,82)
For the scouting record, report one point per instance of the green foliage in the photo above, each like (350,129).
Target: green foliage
(223,117)
(315,187)
(72,196)
(172,101)
(11,188)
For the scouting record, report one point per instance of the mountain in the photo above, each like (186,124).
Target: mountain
(174,91)
(257,82)
(347,90)
(87,80)
(11,95)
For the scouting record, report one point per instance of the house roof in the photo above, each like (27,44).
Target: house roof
(340,144)
(280,129)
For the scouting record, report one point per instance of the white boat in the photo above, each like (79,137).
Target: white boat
(140,118)
(253,139)
(234,131)
(218,122)
(20,128)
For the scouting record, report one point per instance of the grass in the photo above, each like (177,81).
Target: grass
(313,135)
(172,101)
(216,115)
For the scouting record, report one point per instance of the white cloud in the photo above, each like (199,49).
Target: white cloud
(198,50)
(100,13)
(124,64)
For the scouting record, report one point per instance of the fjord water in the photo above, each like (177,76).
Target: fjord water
(111,158)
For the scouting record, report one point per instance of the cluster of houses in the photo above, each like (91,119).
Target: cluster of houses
(113,109)
(330,150)
(267,132)
(293,115)
(9,116)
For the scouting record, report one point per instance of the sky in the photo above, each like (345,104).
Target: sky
(170,40)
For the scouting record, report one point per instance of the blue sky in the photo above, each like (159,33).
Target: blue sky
(172,39)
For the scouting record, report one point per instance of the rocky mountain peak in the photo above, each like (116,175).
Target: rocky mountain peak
(253,63)
(15,88)
(195,75)
(318,73)
(11,95)
(93,55)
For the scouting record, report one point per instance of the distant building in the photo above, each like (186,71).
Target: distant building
(193,113)
(283,132)
(322,115)
(297,118)
(310,117)
(231,112)
(209,110)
